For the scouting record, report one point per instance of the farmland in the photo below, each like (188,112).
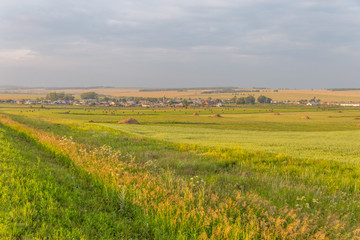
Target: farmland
(278,95)
(248,174)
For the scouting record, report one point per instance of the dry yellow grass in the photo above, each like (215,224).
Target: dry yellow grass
(14,96)
(281,95)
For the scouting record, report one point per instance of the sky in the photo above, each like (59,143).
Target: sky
(167,43)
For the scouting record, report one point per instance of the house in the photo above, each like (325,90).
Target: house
(180,105)
(312,104)
(29,102)
(130,104)
(350,104)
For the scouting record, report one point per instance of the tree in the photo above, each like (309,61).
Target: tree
(250,99)
(240,100)
(185,103)
(233,99)
(263,99)
(89,95)
(54,96)
(313,99)
(69,97)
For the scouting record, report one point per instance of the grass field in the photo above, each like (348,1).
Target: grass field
(315,145)
(249,174)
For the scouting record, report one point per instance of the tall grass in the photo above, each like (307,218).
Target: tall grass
(183,208)
(41,198)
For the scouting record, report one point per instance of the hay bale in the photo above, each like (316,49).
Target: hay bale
(195,114)
(276,113)
(129,121)
(305,117)
(216,115)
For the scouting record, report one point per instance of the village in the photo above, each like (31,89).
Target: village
(169,102)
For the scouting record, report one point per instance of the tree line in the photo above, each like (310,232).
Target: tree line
(251,99)
(55,96)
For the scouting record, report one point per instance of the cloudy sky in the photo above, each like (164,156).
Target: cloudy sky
(187,43)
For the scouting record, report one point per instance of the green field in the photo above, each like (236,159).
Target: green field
(330,145)
(249,174)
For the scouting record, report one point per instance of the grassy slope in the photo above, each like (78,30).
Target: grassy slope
(314,186)
(40,197)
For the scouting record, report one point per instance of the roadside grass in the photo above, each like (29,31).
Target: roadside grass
(44,197)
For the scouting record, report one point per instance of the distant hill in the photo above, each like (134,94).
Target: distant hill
(67,88)
(14,87)
(11,87)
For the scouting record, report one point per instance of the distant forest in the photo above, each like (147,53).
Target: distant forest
(182,89)
(344,89)
(205,90)
(230,91)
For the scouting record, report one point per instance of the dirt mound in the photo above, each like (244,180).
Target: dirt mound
(195,114)
(216,115)
(276,113)
(305,117)
(129,121)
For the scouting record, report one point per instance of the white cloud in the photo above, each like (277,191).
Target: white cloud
(16,55)
(117,23)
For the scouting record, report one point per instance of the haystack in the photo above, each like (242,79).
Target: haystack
(195,114)
(305,117)
(129,121)
(276,113)
(215,115)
